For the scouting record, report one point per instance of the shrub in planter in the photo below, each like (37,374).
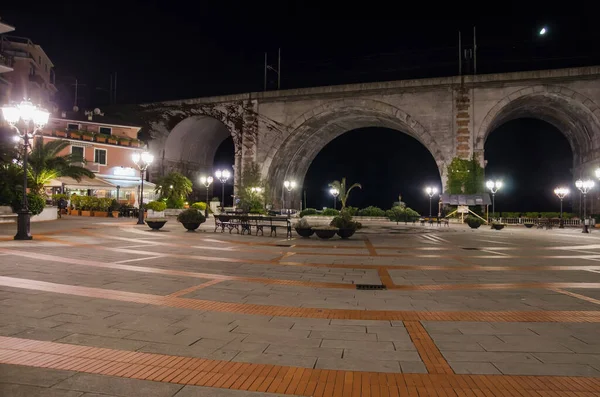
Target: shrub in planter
(303,228)
(330,212)
(35,203)
(101,206)
(308,211)
(345,225)
(155,223)
(498,225)
(474,222)
(371,212)
(201,205)
(325,232)
(402,214)
(191,219)
(157,206)
(114,208)
(175,202)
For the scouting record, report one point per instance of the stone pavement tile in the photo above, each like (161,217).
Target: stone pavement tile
(32,322)
(276,359)
(372,323)
(299,333)
(382,355)
(42,334)
(15,390)
(118,386)
(307,351)
(164,337)
(581,347)
(412,367)
(444,346)
(547,369)
(246,346)
(361,345)
(32,376)
(343,335)
(223,354)
(280,340)
(103,341)
(82,328)
(211,332)
(145,323)
(528,344)
(264,322)
(569,358)
(389,333)
(465,338)
(329,328)
(198,391)
(357,364)
(481,368)
(404,345)
(178,350)
(9,330)
(488,357)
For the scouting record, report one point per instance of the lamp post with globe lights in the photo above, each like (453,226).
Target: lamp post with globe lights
(584,187)
(32,119)
(142,161)
(494,187)
(561,192)
(289,186)
(335,193)
(206,181)
(431,191)
(222,176)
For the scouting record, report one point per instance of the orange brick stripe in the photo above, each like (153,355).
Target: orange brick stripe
(578,296)
(284,311)
(194,288)
(265,378)
(370,247)
(385,277)
(430,354)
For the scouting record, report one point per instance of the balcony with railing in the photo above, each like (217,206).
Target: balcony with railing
(6,63)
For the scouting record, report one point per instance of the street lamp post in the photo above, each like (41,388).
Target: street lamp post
(206,181)
(584,187)
(335,193)
(561,192)
(29,114)
(222,176)
(289,186)
(142,161)
(431,191)
(494,187)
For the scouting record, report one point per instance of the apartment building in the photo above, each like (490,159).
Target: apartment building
(6,62)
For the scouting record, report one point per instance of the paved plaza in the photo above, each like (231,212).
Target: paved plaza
(103,307)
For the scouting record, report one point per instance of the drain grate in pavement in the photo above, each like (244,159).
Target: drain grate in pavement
(370,286)
(282,245)
(471,249)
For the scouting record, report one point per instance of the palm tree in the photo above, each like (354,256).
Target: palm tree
(341,187)
(45,164)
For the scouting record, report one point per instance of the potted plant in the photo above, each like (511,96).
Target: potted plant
(303,228)
(191,219)
(114,208)
(325,232)
(474,222)
(112,140)
(101,138)
(156,223)
(345,225)
(87,135)
(156,209)
(87,204)
(101,206)
(498,225)
(75,134)
(75,206)
(124,141)
(60,134)
(135,142)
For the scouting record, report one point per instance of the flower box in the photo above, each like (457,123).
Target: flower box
(101,214)
(100,138)
(87,213)
(88,138)
(74,135)
(61,134)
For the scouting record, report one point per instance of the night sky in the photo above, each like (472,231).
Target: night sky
(176,50)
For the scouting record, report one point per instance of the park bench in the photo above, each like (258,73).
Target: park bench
(243,224)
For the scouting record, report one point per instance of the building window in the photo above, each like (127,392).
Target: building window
(78,151)
(72,127)
(100,156)
(105,130)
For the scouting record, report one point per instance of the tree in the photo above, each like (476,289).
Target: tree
(45,164)
(174,188)
(343,192)
(251,198)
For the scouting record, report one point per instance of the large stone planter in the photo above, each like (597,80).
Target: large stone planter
(529,225)
(497,226)
(191,226)
(346,233)
(305,232)
(87,213)
(155,224)
(101,214)
(325,233)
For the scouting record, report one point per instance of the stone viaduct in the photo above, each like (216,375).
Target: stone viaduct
(283,131)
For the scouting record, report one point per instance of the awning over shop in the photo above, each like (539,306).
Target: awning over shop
(128,183)
(84,183)
(466,199)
